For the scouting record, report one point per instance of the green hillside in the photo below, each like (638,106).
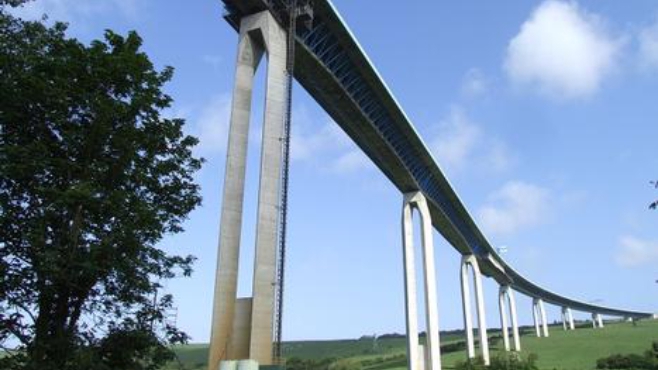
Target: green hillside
(572,350)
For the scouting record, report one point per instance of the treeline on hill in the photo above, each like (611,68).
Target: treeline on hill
(523,330)
(646,361)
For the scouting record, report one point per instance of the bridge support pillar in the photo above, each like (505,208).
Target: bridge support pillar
(598,320)
(243,329)
(471,261)
(506,293)
(565,326)
(544,322)
(416,200)
(539,316)
(535,317)
(572,326)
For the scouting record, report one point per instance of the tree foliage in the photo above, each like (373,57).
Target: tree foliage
(13,3)
(92,176)
(501,361)
(647,361)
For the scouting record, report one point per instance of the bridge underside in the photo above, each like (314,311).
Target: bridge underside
(334,69)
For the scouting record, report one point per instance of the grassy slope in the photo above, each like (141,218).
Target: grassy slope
(573,350)
(579,349)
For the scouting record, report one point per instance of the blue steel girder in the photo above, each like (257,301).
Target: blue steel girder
(329,49)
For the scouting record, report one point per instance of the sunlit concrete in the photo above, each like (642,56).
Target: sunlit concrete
(259,34)
(506,293)
(539,316)
(471,260)
(432,358)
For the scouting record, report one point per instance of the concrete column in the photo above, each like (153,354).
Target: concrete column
(410,297)
(482,319)
(599,320)
(466,309)
(544,322)
(594,323)
(249,54)
(431,305)
(563,316)
(535,316)
(515,324)
(572,326)
(502,295)
(433,353)
(479,302)
(259,34)
(264,283)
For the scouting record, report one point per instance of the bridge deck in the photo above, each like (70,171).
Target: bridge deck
(335,70)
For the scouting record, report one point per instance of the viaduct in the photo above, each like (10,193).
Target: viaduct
(309,41)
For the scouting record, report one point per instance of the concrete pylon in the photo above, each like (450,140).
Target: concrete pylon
(507,294)
(243,329)
(535,317)
(544,322)
(564,319)
(572,326)
(466,310)
(471,260)
(597,320)
(502,296)
(432,351)
(539,316)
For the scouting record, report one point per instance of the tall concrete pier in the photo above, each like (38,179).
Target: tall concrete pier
(417,359)
(243,328)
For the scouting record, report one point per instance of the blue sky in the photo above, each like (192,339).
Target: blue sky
(543,114)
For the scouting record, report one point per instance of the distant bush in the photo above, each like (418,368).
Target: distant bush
(646,361)
(296,363)
(632,361)
(502,361)
(453,347)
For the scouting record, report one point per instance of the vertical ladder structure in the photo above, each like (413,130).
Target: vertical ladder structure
(285,176)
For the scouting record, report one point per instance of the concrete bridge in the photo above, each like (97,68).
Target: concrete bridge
(331,65)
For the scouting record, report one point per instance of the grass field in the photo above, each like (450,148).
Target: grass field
(571,350)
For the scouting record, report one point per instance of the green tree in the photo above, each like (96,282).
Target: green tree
(92,176)
(13,3)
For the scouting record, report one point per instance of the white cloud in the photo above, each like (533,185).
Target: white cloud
(456,140)
(212,125)
(498,158)
(648,39)
(326,147)
(474,83)
(517,205)
(72,10)
(214,61)
(635,252)
(562,50)
(353,161)
(460,143)
(307,143)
